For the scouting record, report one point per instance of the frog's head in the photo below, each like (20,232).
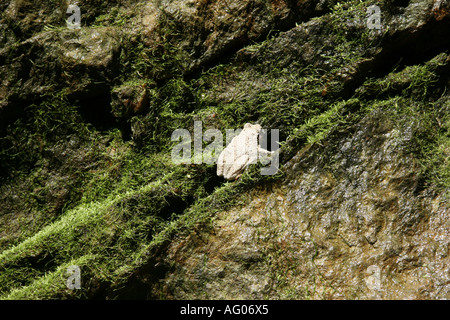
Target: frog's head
(249,126)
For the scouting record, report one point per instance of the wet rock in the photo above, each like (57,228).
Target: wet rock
(207,30)
(351,217)
(41,56)
(355,231)
(129,100)
(82,62)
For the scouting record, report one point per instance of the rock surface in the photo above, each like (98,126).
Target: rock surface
(360,207)
(322,233)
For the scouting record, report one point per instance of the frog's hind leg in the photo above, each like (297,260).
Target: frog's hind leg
(236,167)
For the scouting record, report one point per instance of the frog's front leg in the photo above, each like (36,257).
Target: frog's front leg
(220,164)
(263,152)
(264,156)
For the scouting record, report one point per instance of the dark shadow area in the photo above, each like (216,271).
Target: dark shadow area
(144,283)
(401,3)
(301,11)
(97,111)
(41,262)
(175,205)
(212,180)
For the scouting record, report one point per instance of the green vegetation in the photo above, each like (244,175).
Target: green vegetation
(90,199)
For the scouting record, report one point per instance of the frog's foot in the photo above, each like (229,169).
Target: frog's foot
(263,152)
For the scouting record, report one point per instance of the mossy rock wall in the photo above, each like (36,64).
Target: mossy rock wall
(359,208)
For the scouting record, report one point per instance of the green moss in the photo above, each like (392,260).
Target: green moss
(409,98)
(430,141)
(124,199)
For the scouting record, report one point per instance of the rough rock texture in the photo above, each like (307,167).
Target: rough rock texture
(40,57)
(352,219)
(322,232)
(358,210)
(209,29)
(83,62)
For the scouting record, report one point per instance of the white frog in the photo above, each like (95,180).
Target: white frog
(242,151)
